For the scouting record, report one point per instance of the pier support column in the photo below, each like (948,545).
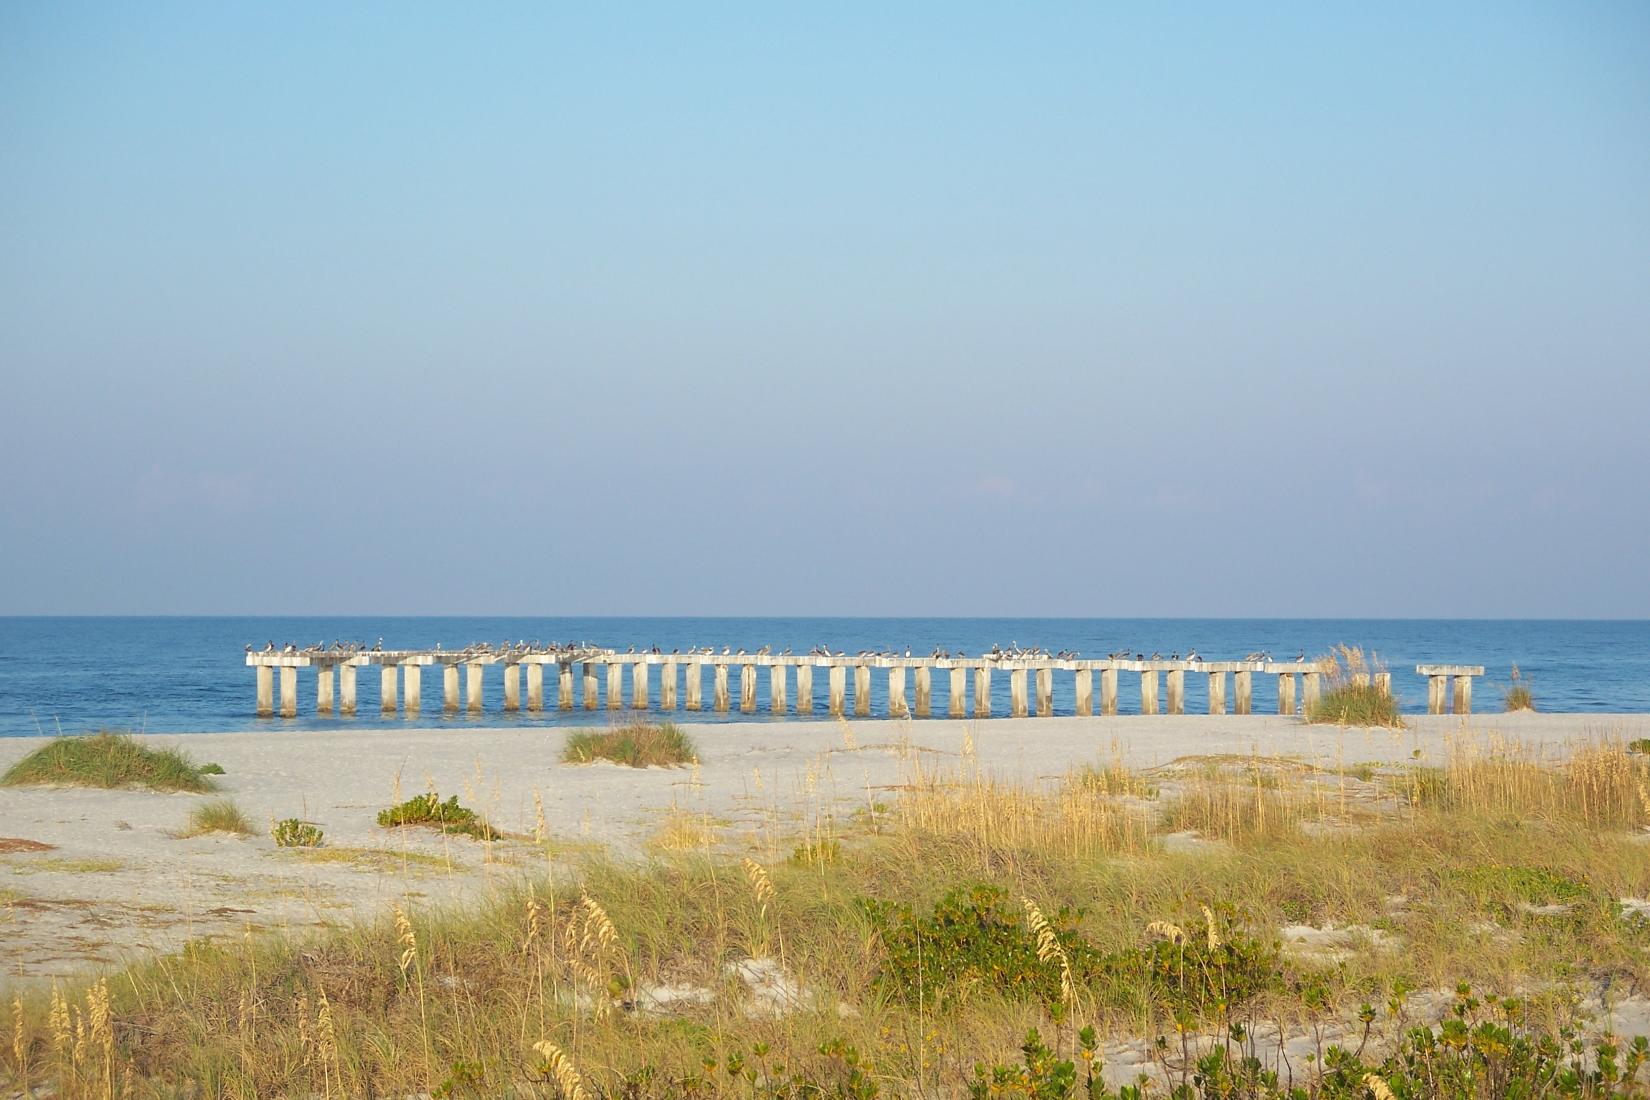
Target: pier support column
(1148,692)
(1017,693)
(1045,692)
(719,700)
(695,685)
(1083,686)
(1360,679)
(897,707)
(472,687)
(1108,691)
(1435,693)
(862,690)
(412,689)
(289,691)
(346,690)
(959,692)
(804,689)
(1286,693)
(1383,683)
(449,688)
(592,685)
(839,680)
(266,691)
(747,689)
(1242,691)
(512,688)
(1176,683)
(387,682)
(1463,696)
(1217,693)
(323,690)
(925,691)
(777,701)
(982,691)
(615,685)
(667,686)
(640,673)
(1310,682)
(535,687)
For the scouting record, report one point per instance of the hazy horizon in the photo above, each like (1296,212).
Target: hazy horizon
(1325,311)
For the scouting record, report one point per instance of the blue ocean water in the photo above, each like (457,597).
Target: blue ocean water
(188,675)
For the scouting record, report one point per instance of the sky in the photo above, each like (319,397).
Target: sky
(1306,309)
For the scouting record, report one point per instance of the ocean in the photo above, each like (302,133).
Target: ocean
(187,675)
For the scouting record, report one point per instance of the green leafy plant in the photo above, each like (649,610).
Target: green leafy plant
(448,817)
(292,833)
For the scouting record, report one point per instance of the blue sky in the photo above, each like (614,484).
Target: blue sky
(1310,309)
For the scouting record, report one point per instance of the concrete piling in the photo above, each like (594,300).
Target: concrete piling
(862,690)
(839,693)
(289,691)
(1463,695)
(804,688)
(777,702)
(449,689)
(1242,691)
(925,690)
(640,673)
(266,691)
(323,690)
(667,686)
(1217,692)
(1108,691)
(535,687)
(615,685)
(387,701)
(1017,693)
(720,700)
(1045,692)
(695,685)
(512,688)
(1176,684)
(346,690)
(1083,687)
(982,691)
(1310,683)
(959,692)
(592,685)
(412,688)
(472,686)
(747,689)
(1148,691)
(897,707)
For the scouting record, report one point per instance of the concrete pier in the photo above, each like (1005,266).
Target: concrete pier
(909,683)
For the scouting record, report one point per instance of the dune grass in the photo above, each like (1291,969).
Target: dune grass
(107,759)
(635,744)
(1518,695)
(946,924)
(217,815)
(1350,695)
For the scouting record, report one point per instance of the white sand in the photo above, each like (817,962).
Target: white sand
(758,784)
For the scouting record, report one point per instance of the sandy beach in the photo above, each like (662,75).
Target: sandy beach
(92,877)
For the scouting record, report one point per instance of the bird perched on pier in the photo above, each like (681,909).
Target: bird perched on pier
(1300,657)
(1191,655)
(764,651)
(378,646)
(249,647)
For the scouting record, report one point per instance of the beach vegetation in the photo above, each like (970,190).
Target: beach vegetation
(218,815)
(293,833)
(1351,695)
(447,817)
(211,769)
(962,937)
(107,758)
(1518,695)
(634,744)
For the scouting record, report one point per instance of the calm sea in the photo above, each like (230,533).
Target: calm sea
(187,674)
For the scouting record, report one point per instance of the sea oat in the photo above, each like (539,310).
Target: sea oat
(1049,949)
(1209,927)
(563,1070)
(1163,930)
(1377,1087)
(409,942)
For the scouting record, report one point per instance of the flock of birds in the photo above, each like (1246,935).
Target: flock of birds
(576,650)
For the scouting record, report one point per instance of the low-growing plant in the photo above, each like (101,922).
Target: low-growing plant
(292,833)
(1639,745)
(448,816)
(107,759)
(1518,695)
(210,769)
(219,815)
(636,744)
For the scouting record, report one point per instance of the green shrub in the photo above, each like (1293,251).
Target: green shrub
(210,769)
(448,816)
(107,759)
(293,833)
(638,745)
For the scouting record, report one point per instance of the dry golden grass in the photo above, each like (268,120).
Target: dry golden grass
(543,990)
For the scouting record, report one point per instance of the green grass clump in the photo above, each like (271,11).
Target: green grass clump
(1640,746)
(220,815)
(639,745)
(448,816)
(210,769)
(1518,695)
(1356,705)
(107,759)
(292,833)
